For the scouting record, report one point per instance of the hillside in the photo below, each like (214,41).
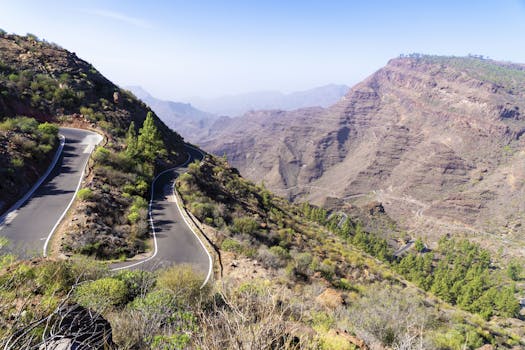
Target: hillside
(287,278)
(437,140)
(236,105)
(192,123)
(42,81)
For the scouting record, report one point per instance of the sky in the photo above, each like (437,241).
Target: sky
(178,50)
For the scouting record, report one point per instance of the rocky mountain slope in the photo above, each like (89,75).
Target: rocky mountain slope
(236,105)
(437,140)
(286,278)
(192,123)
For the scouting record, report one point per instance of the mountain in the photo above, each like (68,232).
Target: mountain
(46,83)
(236,105)
(285,276)
(192,123)
(437,140)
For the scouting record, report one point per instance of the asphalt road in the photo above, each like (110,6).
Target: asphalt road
(176,243)
(29,226)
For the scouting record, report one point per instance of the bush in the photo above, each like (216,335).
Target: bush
(231,245)
(23,124)
(48,128)
(85,194)
(138,210)
(184,282)
(101,155)
(17,162)
(102,294)
(244,225)
(138,283)
(514,270)
(269,258)
(203,210)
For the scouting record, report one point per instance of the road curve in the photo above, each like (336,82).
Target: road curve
(176,243)
(30,226)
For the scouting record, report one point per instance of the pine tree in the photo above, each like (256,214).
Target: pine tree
(150,144)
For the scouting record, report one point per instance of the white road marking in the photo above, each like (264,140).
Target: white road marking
(96,137)
(3,218)
(89,149)
(10,217)
(93,139)
(154,232)
(183,217)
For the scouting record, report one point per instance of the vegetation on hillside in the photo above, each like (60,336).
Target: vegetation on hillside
(458,271)
(26,149)
(304,250)
(511,76)
(316,291)
(45,82)
(124,176)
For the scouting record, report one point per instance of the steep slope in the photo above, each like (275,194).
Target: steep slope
(236,105)
(438,140)
(192,123)
(48,83)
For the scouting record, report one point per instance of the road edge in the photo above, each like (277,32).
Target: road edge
(150,219)
(39,182)
(44,250)
(181,211)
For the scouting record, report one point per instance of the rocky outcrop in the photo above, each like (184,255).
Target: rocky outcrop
(74,327)
(438,140)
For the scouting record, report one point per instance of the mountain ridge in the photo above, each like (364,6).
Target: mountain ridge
(434,134)
(236,105)
(190,122)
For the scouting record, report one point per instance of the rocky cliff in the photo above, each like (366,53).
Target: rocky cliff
(437,140)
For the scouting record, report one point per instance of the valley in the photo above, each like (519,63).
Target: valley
(437,140)
(383,216)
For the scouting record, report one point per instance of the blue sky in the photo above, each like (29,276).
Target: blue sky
(179,49)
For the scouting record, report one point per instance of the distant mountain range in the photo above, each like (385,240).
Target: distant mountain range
(191,122)
(195,123)
(437,140)
(236,105)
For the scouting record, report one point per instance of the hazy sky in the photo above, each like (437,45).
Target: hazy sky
(178,49)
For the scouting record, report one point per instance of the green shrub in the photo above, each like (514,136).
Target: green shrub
(17,162)
(280,252)
(133,217)
(23,124)
(184,282)
(54,276)
(244,225)
(231,245)
(101,155)
(514,270)
(138,209)
(48,128)
(102,294)
(85,194)
(138,283)
(203,210)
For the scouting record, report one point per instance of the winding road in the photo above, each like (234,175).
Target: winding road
(174,240)
(30,223)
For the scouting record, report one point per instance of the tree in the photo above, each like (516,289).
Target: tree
(419,245)
(514,270)
(150,144)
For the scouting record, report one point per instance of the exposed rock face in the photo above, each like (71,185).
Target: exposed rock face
(75,327)
(437,140)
